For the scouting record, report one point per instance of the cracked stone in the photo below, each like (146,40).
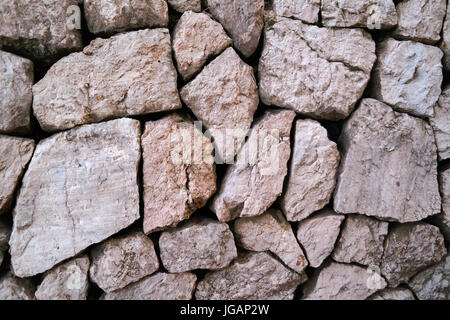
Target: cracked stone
(179,172)
(255,180)
(393,294)
(12,288)
(252,276)
(80,188)
(312,175)
(68,281)
(396,154)
(198,244)
(305,10)
(442,220)
(122,260)
(186,5)
(441,124)
(433,283)
(445,44)
(317,235)
(271,232)
(128,74)
(317,72)
(5,232)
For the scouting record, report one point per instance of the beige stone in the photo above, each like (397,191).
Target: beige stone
(441,124)
(186,5)
(305,10)
(12,288)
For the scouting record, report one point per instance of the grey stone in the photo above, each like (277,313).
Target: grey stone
(433,283)
(393,294)
(442,220)
(445,44)
(12,288)
(441,124)
(186,5)
(5,232)
(305,10)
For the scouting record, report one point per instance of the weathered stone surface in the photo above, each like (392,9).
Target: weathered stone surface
(176,182)
(108,16)
(255,181)
(318,72)
(5,232)
(408,76)
(393,294)
(271,232)
(317,235)
(445,44)
(252,276)
(441,124)
(442,220)
(243,19)
(68,281)
(312,175)
(80,188)
(12,288)
(38,29)
(186,5)
(197,38)
(122,260)
(433,283)
(420,20)
(361,241)
(224,96)
(16,81)
(338,281)
(408,249)
(160,286)
(305,10)
(198,244)
(128,74)
(15,155)
(389,167)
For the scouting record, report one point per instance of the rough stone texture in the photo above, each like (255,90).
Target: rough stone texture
(198,244)
(255,181)
(441,124)
(160,286)
(224,96)
(393,294)
(433,283)
(128,74)
(408,249)
(122,260)
(68,281)
(305,10)
(38,29)
(371,14)
(80,188)
(420,20)
(16,81)
(361,241)
(186,5)
(243,19)
(252,276)
(271,232)
(175,188)
(5,232)
(317,235)
(197,38)
(445,44)
(318,72)
(12,288)
(15,155)
(338,281)
(312,175)
(442,220)
(408,76)
(389,167)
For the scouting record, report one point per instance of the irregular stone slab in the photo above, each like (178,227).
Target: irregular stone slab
(197,38)
(68,281)
(433,283)
(408,76)
(176,182)
(393,294)
(160,286)
(198,244)
(5,232)
(361,241)
(255,181)
(420,20)
(15,155)
(408,249)
(441,124)
(371,14)
(318,72)
(445,44)
(317,235)
(16,81)
(109,16)
(271,232)
(305,10)
(43,32)
(312,175)
(224,96)
(243,19)
(186,5)
(338,281)
(80,188)
(12,288)
(389,167)
(122,260)
(128,74)
(252,276)
(442,220)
